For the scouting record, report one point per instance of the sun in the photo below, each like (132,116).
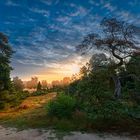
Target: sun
(75,69)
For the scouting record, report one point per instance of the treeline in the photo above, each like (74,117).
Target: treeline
(33,82)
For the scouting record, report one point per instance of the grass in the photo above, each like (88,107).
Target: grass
(32,114)
(37,118)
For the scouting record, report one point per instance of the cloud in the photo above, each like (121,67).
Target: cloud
(128,17)
(95,3)
(79,11)
(11,3)
(109,7)
(64,19)
(134,3)
(50,2)
(41,11)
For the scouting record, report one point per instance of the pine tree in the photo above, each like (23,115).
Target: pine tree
(5,56)
(39,86)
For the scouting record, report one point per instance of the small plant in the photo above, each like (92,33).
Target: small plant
(62,106)
(40,92)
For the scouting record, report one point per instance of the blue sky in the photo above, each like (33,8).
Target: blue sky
(44,33)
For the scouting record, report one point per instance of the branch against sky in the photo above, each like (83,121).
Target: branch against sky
(117,38)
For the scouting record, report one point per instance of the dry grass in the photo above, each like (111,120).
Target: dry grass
(27,105)
(37,101)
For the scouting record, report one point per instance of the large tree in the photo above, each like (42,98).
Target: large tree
(117,39)
(5,55)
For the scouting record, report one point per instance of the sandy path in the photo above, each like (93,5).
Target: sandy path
(38,134)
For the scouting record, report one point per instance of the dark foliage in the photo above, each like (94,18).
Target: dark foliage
(117,39)
(62,107)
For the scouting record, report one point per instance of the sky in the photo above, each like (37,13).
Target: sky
(44,33)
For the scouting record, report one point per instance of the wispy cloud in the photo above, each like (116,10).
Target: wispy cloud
(79,11)
(50,2)
(109,7)
(41,11)
(134,3)
(94,3)
(11,3)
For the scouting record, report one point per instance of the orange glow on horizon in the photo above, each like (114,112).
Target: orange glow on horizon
(57,71)
(65,71)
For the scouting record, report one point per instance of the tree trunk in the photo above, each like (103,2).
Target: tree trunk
(117,83)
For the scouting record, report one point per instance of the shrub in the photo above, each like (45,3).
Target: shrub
(40,92)
(111,111)
(7,99)
(10,99)
(62,106)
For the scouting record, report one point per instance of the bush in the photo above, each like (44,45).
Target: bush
(2,104)
(10,99)
(40,92)
(110,110)
(23,95)
(7,99)
(62,106)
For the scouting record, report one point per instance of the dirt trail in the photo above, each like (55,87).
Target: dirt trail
(39,134)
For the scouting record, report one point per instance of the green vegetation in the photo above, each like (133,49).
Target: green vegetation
(5,55)
(115,69)
(18,84)
(40,92)
(62,107)
(12,99)
(11,93)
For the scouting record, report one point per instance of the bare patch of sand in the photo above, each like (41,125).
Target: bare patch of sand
(40,134)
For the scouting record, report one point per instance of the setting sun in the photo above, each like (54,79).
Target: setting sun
(75,69)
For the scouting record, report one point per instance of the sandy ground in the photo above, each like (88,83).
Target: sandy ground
(39,134)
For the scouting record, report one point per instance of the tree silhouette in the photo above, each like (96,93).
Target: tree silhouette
(5,55)
(39,86)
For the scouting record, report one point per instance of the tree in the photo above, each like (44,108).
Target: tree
(83,72)
(5,55)
(18,84)
(44,84)
(66,80)
(133,71)
(32,83)
(117,39)
(39,86)
(98,61)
